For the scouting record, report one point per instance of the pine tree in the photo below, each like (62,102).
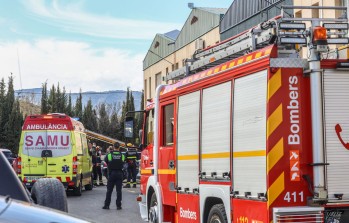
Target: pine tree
(13,127)
(139,120)
(131,106)
(122,120)
(58,99)
(89,118)
(52,100)
(103,121)
(10,96)
(63,103)
(18,126)
(114,124)
(69,109)
(44,99)
(6,136)
(2,112)
(127,105)
(78,106)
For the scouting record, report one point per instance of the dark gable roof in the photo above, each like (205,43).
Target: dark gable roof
(218,11)
(172,34)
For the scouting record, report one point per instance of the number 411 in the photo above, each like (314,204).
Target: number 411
(292,197)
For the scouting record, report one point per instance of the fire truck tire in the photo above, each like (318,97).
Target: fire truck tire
(153,210)
(78,189)
(90,185)
(50,192)
(217,214)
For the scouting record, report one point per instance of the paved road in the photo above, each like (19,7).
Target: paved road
(89,206)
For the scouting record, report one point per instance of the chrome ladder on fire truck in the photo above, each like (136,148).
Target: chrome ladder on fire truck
(284,30)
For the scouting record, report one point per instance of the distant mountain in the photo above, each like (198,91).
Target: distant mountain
(109,97)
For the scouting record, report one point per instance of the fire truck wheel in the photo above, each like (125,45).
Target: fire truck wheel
(90,185)
(49,192)
(78,189)
(153,210)
(217,214)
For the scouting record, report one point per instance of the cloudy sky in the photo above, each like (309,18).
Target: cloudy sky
(87,44)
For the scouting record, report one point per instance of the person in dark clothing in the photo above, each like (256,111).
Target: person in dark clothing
(131,160)
(99,166)
(94,163)
(115,161)
(97,170)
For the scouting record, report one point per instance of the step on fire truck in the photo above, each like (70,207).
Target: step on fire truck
(252,133)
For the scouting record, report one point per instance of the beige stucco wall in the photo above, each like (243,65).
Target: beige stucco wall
(178,56)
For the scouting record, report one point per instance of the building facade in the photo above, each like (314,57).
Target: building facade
(169,51)
(207,26)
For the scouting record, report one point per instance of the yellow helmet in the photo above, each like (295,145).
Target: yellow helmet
(129,145)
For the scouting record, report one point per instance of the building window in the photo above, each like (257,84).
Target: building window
(145,91)
(298,14)
(156,44)
(168,123)
(157,79)
(150,87)
(194,20)
(166,74)
(177,66)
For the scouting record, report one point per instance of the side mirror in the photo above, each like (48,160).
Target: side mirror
(140,135)
(141,147)
(128,130)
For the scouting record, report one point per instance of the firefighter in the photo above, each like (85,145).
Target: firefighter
(131,160)
(115,160)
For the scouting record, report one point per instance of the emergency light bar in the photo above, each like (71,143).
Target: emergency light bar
(289,26)
(338,26)
(293,40)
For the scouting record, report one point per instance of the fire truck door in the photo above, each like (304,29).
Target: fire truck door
(167,154)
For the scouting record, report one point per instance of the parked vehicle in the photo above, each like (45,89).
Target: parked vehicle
(55,146)
(18,205)
(251,133)
(8,154)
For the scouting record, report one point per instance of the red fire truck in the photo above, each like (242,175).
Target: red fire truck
(250,132)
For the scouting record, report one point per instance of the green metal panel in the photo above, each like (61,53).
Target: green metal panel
(161,47)
(207,19)
(243,15)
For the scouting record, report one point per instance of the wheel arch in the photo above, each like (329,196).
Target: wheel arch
(154,187)
(209,203)
(211,195)
(150,192)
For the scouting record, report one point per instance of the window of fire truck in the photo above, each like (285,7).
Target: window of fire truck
(148,128)
(168,125)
